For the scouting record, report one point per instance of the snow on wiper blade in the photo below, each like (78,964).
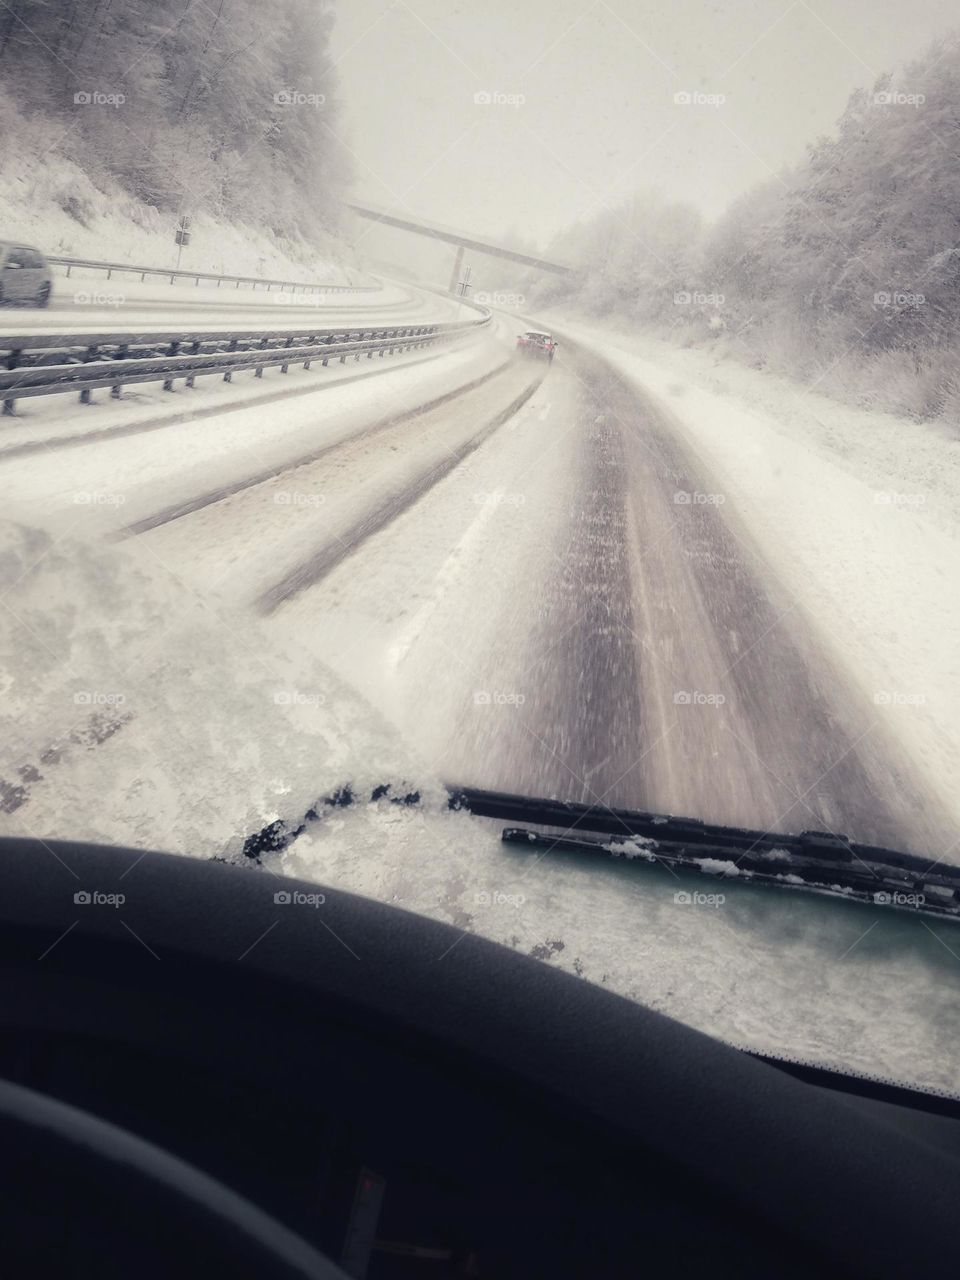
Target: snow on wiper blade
(820,861)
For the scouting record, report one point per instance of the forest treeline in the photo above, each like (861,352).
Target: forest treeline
(226,107)
(844,272)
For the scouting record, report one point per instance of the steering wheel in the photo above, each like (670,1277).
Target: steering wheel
(123,1207)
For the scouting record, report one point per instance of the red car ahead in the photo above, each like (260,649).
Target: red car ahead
(534,343)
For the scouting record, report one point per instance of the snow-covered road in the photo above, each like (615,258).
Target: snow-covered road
(525,569)
(632,646)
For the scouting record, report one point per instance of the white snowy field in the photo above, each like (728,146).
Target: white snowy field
(857,512)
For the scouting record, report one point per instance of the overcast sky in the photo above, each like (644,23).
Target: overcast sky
(597,80)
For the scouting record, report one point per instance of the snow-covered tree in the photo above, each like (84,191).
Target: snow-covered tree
(228,106)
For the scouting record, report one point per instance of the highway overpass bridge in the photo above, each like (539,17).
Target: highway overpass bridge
(462,242)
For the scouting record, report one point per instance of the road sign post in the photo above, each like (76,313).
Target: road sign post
(182,237)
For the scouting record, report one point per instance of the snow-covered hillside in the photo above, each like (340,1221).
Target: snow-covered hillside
(49,200)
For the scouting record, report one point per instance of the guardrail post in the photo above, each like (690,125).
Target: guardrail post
(174,350)
(228,376)
(11,362)
(312,341)
(285,368)
(264,343)
(194,351)
(90,354)
(117,388)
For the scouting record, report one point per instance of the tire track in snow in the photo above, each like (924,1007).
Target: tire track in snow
(180,509)
(328,557)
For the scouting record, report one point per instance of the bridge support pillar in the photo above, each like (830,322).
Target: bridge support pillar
(457,264)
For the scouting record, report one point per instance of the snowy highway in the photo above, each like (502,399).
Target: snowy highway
(554,618)
(88,301)
(522,566)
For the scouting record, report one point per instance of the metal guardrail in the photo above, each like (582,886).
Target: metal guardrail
(173,275)
(47,364)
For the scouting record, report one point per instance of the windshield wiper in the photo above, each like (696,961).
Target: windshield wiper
(819,861)
(815,860)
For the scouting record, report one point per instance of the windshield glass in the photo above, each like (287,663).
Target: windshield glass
(298,509)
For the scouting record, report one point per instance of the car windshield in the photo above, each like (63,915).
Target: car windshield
(296,512)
